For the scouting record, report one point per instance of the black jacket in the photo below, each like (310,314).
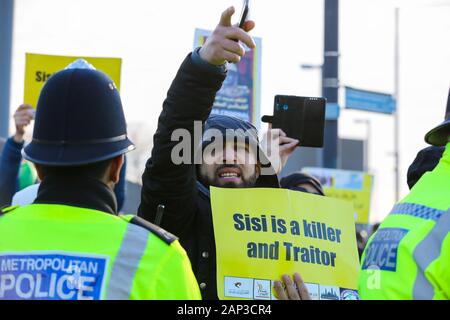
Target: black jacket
(187,204)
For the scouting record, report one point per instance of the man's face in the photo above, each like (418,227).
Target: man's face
(233,166)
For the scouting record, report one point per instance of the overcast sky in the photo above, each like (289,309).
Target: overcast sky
(153,37)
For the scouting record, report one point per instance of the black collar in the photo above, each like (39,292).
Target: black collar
(75,191)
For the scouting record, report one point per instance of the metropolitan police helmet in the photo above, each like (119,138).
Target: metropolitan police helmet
(440,135)
(79,120)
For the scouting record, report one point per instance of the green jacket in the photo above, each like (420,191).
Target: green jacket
(50,251)
(409,256)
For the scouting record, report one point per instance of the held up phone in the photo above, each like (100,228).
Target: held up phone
(301,118)
(244,13)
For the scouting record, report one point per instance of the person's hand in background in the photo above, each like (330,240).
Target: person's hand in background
(22,118)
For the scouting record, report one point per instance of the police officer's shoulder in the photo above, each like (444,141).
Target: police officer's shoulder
(165,236)
(6,210)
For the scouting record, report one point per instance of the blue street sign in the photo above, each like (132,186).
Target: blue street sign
(332,111)
(369,101)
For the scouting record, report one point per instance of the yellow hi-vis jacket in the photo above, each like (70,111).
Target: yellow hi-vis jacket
(55,252)
(409,256)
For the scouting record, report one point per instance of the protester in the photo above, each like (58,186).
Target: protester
(409,256)
(183,188)
(361,241)
(303,182)
(11,177)
(73,242)
(17,175)
(2,144)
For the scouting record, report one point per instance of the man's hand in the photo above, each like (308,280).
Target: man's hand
(276,139)
(22,117)
(297,292)
(223,45)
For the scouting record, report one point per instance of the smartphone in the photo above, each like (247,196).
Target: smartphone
(244,13)
(301,118)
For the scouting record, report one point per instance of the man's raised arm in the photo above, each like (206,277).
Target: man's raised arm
(189,99)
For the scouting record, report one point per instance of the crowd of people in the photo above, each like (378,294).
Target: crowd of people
(70,198)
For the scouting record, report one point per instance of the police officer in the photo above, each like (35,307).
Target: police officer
(409,256)
(71,243)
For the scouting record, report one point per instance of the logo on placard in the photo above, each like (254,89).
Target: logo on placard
(262,289)
(238,287)
(348,294)
(329,293)
(313,290)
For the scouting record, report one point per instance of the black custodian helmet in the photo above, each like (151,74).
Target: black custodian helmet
(440,135)
(79,120)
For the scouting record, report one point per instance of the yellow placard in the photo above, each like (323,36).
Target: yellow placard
(39,67)
(353,186)
(270,232)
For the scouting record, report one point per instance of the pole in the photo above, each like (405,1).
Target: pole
(396,114)
(330,80)
(366,160)
(6,31)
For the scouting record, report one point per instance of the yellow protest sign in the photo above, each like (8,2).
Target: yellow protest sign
(39,67)
(271,232)
(353,186)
